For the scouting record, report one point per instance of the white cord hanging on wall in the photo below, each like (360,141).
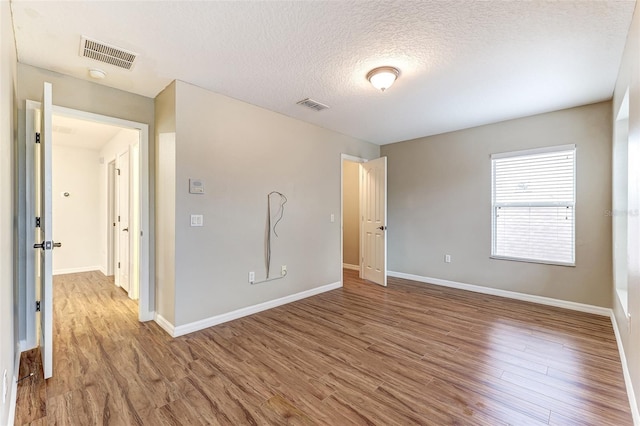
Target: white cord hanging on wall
(269,229)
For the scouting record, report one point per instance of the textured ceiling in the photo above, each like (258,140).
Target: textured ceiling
(463,63)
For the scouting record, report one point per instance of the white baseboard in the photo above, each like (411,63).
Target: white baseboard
(582,307)
(164,324)
(625,371)
(76,270)
(13,395)
(181,330)
(349,266)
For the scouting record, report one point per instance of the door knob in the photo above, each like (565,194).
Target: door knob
(382,228)
(126,229)
(47,245)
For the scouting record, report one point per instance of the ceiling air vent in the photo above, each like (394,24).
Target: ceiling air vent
(108,54)
(314,105)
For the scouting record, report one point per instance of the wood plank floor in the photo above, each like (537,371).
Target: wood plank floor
(407,354)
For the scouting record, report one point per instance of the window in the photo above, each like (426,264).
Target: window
(533,203)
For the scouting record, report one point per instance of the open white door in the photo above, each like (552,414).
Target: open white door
(374,220)
(123,265)
(45,234)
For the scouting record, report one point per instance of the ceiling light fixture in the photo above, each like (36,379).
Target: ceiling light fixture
(383,77)
(97,74)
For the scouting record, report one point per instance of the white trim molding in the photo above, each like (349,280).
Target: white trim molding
(164,324)
(148,316)
(13,395)
(181,330)
(582,307)
(626,373)
(353,158)
(350,266)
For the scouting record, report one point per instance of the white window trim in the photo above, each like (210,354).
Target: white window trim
(524,152)
(534,151)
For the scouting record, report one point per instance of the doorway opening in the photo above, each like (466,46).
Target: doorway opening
(363,213)
(101,186)
(351,258)
(94,179)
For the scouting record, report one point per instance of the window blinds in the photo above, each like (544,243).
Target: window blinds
(534,205)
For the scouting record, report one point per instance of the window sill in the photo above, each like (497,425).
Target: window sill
(542,262)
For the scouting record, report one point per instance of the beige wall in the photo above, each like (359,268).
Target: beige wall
(439,203)
(242,152)
(629,77)
(351,213)
(165,107)
(86,96)
(8,293)
(76,171)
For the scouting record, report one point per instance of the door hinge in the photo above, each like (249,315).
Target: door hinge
(118,218)
(118,170)
(37,222)
(37,306)
(37,137)
(118,265)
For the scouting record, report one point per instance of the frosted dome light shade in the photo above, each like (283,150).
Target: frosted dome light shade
(96,73)
(383,77)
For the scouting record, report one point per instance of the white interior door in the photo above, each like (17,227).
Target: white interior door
(124,215)
(374,220)
(44,232)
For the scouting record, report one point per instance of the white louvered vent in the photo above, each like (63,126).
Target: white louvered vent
(314,105)
(108,54)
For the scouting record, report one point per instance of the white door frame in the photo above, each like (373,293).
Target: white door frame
(354,159)
(134,226)
(111,168)
(145,311)
(126,153)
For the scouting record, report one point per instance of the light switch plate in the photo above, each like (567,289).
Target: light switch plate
(197,220)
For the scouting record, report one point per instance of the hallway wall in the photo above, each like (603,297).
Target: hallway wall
(76,171)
